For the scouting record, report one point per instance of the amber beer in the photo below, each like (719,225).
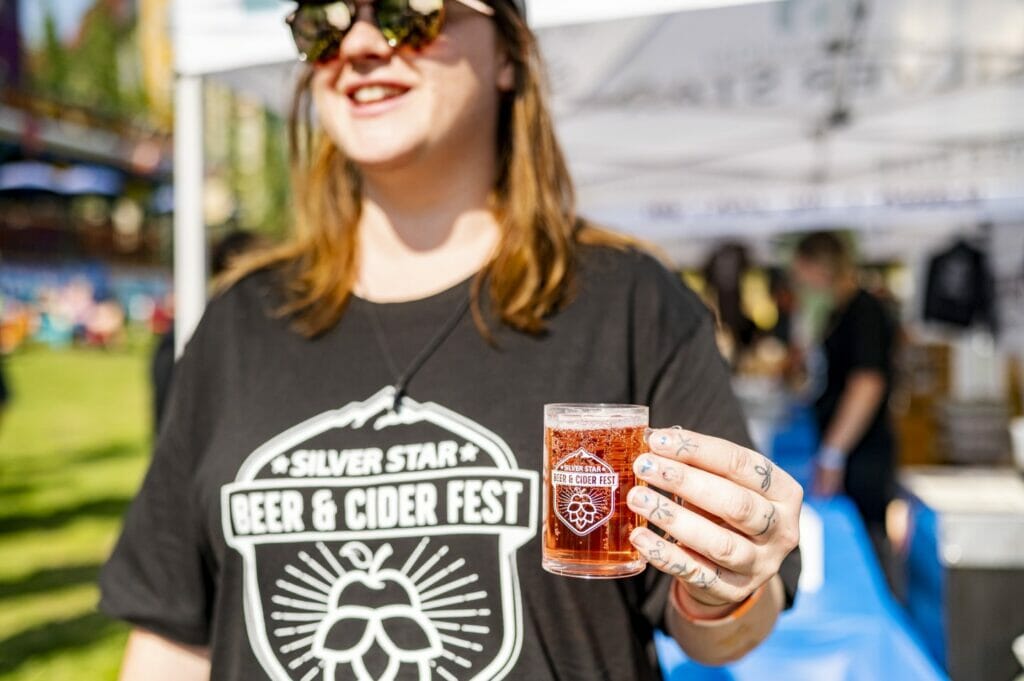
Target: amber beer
(589,451)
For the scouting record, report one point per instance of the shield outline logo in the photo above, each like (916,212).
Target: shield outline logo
(357,414)
(583,453)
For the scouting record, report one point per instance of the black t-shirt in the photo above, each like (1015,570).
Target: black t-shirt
(861,336)
(303,531)
(959,289)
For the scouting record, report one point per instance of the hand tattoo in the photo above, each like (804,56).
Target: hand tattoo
(705,583)
(671,475)
(769,520)
(686,445)
(655,555)
(766,472)
(677,569)
(661,510)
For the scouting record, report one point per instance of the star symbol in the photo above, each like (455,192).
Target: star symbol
(280,465)
(468,452)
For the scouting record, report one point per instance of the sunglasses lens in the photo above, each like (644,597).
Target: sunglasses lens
(318,29)
(410,22)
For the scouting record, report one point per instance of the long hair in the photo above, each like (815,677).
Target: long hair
(531,273)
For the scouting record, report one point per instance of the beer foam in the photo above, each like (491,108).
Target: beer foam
(594,416)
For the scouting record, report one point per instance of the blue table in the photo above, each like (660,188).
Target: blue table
(845,625)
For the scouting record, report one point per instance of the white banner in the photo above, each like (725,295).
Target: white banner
(212,36)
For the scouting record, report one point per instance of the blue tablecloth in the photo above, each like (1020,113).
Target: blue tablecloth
(845,625)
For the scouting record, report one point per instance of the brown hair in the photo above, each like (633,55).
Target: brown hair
(830,249)
(532,271)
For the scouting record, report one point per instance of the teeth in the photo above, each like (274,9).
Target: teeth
(375,93)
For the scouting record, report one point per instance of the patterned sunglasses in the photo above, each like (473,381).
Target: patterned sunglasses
(318,28)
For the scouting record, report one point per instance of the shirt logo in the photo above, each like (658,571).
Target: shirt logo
(379,546)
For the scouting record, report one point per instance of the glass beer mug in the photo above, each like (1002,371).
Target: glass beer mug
(589,450)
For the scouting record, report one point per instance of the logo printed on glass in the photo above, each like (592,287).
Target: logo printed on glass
(584,491)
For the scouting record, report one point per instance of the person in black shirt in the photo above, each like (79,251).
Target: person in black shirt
(347,483)
(857,447)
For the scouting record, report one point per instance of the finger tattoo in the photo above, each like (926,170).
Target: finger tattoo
(686,444)
(671,475)
(677,569)
(704,582)
(657,553)
(661,510)
(765,472)
(769,520)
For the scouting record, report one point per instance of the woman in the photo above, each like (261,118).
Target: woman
(346,485)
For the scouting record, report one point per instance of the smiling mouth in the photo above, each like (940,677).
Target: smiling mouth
(372,94)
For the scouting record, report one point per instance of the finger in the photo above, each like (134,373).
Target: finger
(743,509)
(719,544)
(725,458)
(713,581)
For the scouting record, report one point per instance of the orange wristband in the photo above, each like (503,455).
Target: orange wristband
(739,612)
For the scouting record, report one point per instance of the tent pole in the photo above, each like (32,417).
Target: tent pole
(189,229)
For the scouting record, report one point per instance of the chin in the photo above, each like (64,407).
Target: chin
(383,159)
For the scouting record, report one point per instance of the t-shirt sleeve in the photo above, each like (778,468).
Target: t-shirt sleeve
(872,342)
(159,575)
(683,377)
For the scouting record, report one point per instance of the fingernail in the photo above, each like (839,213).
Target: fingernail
(638,535)
(639,497)
(645,465)
(647,435)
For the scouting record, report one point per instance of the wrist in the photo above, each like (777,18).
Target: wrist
(695,610)
(831,458)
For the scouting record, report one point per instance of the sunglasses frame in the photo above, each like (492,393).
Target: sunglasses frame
(331,36)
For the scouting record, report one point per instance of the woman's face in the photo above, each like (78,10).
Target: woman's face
(389,108)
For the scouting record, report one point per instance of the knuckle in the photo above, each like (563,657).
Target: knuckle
(790,535)
(725,548)
(739,461)
(798,493)
(747,561)
(742,508)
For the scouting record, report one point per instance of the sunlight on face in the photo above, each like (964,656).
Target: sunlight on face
(389,108)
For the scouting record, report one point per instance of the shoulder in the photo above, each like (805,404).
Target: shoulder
(256,295)
(868,304)
(243,310)
(652,292)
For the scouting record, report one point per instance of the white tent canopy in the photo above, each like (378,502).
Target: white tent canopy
(684,117)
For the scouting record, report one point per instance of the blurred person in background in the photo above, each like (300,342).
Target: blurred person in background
(784,297)
(723,274)
(229,247)
(439,287)
(856,454)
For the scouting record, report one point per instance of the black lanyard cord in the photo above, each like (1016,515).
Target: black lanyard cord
(402,378)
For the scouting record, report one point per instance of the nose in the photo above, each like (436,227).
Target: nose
(364,40)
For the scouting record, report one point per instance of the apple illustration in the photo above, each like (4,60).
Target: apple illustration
(371,607)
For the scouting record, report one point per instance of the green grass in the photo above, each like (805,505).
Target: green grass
(74,444)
